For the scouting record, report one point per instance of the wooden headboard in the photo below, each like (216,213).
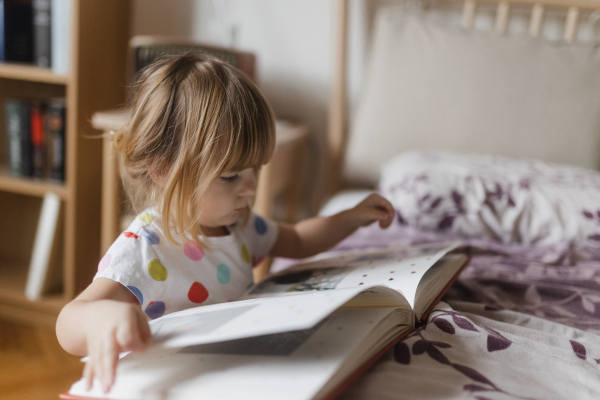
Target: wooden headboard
(337,125)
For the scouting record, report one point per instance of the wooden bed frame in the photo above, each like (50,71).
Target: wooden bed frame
(337,134)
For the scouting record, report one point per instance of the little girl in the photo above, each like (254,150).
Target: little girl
(199,133)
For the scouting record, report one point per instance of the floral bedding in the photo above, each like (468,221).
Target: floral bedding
(521,322)
(507,200)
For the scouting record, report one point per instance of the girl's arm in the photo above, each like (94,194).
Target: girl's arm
(315,235)
(104,320)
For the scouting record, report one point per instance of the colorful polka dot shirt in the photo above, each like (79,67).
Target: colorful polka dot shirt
(167,277)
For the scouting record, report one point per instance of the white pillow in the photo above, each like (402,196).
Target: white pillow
(430,86)
(509,200)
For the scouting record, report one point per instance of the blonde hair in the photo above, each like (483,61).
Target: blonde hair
(194,117)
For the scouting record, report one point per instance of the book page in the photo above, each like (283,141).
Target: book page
(292,365)
(400,269)
(247,318)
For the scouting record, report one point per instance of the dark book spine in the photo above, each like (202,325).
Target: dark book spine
(2,30)
(24,116)
(55,133)
(38,139)
(41,33)
(13,133)
(19,140)
(18,31)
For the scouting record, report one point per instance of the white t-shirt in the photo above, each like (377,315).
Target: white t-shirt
(167,277)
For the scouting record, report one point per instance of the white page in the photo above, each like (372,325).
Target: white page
(400,269)
(292,365)
(246,318)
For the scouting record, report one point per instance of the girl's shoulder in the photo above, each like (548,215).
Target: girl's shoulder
(146,225)
(149,218)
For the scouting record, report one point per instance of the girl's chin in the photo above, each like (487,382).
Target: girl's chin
(232,218)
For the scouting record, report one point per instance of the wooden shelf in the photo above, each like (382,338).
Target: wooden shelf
(30,186)
(99,32)
(33,74)
(15,306)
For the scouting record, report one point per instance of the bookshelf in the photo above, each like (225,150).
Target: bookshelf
(95,81)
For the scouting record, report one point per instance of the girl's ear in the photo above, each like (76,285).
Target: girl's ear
(158,172)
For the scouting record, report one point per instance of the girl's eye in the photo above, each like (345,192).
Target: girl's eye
(230,179)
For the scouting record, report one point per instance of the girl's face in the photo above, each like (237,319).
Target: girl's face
(227,196)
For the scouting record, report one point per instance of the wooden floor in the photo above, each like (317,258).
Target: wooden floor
(33,365)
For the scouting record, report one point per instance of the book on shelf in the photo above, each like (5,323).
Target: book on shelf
(41,33)
(45,274)
(18,134)
(36,32)
(18,30)
(55,133)
(36,138)
(60,35)
(303,333)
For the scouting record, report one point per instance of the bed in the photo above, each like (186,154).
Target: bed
(492,138)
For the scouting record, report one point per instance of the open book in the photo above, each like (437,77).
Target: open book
(303,333)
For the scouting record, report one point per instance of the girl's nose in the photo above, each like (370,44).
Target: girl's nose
(249,187)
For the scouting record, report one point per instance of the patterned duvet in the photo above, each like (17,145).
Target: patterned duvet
(521,322)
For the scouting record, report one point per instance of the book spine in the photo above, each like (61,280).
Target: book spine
(38,139)
(18,31)
(25,137)
(19,140)
(41,33)
(13,130)
(2,30)
(55,133)
(60,26)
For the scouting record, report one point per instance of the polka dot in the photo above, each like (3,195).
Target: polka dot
(193,251)
(130,235)
(223,273)
(197,293)
(137,293)
(260,225)
(157,271)
(104,262)
(245,254)
(146,217)
(151,236)
(155,309)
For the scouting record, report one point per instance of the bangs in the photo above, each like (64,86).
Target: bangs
(248,139)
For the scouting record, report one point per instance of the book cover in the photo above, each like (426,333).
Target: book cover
(19,137)
(313,328)
(55,134)
(41,275)
(18,31)
(60,29)
(38,140)
(41,33)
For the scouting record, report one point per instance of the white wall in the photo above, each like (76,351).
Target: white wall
(292,40)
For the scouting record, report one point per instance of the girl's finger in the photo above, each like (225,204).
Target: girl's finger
(110,357)
(385,220)
(96,360)
(88,374)
(385,204)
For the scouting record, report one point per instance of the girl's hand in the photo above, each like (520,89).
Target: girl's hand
(112,327)
(373,208)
